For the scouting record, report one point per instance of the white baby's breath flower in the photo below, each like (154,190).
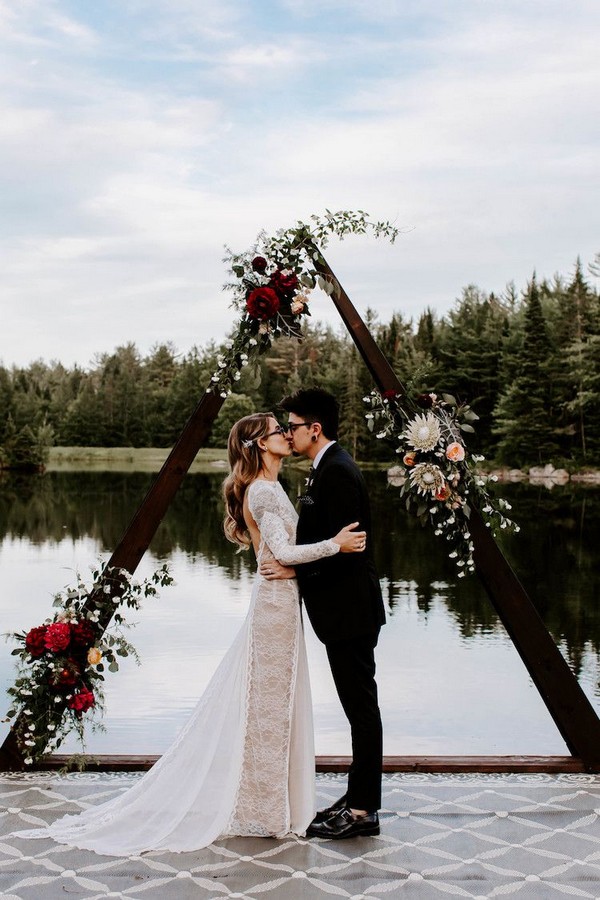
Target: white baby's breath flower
(423,433)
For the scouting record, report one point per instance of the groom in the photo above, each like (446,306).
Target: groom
(343,600)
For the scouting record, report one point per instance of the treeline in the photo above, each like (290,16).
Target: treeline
(528,362)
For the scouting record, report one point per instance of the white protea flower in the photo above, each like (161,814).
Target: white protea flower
(423,433)
(427,478)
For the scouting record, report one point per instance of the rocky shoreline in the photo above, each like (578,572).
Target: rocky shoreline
(546,476)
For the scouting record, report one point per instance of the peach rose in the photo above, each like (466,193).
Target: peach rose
(297,306)
(409,459)
(94,656)
(443,493)
(455,452)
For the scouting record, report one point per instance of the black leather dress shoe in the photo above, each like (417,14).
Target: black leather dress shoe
(324,814)
(345,824)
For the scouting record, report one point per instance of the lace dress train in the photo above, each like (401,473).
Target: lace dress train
(244,762)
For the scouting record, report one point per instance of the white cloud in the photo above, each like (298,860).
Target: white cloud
(476,135)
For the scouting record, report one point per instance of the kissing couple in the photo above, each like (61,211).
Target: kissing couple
(244,763)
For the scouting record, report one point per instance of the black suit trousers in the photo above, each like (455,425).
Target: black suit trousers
(353,667)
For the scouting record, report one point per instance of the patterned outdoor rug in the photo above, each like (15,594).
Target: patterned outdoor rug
(474,836)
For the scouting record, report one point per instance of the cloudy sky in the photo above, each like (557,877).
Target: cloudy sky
(137,137)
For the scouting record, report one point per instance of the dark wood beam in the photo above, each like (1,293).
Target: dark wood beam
(564,697)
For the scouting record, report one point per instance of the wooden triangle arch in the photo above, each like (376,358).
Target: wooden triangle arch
(567,703)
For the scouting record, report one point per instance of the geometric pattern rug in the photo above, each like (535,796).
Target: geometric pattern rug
(473,836)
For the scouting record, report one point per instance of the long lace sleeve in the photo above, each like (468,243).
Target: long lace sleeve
(265,509)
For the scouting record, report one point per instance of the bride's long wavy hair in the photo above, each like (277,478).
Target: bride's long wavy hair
(245,463)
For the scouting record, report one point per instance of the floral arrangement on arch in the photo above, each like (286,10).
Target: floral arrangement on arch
(60,673)
(439,480)
(271,285)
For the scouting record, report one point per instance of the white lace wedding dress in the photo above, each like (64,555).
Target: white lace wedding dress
(244,763)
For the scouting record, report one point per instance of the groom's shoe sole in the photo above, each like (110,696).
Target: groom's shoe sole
(345,825)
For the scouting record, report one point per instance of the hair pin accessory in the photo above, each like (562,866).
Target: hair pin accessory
(247,444)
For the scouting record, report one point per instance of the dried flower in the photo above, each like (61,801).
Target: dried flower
(427,478)
(423,433)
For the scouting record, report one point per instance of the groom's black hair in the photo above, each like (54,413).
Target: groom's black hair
(315,405)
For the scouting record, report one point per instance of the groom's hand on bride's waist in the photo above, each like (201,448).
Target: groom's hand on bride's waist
(274,571)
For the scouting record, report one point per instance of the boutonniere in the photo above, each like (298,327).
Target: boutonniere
(306,499)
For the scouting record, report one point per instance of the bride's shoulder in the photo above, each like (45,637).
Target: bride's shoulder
(261,487)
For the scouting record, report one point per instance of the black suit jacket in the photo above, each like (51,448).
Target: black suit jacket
(341,593)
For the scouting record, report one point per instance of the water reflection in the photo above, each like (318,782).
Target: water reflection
(450,679)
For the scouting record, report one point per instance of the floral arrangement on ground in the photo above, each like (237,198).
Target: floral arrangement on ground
(60,673)
(271,285)
(439,479)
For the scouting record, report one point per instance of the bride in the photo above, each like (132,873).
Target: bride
(244,762)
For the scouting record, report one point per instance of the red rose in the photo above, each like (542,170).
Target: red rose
(82,634)
(82,701)
(425,401)
(259,264)
(262,303)
(35,641)
(284,284)
(390,395)
(58,636)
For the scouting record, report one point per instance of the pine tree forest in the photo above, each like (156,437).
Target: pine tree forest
(528,362)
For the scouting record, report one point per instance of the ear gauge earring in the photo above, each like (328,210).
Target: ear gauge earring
(314,438)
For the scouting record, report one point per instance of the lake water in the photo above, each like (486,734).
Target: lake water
(450,681)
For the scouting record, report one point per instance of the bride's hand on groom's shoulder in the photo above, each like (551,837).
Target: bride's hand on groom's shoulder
(274,571)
